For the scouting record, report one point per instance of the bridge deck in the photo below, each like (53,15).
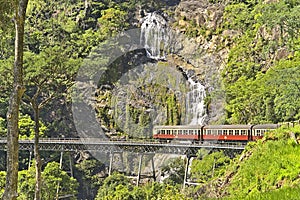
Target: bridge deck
(100,145)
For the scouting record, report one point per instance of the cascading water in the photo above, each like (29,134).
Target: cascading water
(195,107)
(155,38)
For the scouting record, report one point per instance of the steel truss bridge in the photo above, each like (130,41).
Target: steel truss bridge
(113,148)
(107,146)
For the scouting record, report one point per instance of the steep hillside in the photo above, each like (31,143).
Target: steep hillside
(265,169)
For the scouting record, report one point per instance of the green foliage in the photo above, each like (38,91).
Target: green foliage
(26,183)
(174,170)
(91,172)
(119,187)
(2,182)
(114,187)
(6,11)
(286,193)
(52,178)
(112,21)
(270,97)
(26,127)
(3,130)
(209,166)
(6,83)
(238,16)
(271,166)
(258,88)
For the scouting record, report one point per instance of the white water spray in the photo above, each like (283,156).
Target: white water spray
(195,107)
(155,38)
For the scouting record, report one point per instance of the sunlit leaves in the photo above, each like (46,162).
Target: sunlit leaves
(26,127)
(119,187)
(112,21)
(53,178)
(258,87)
(272,165)
(209,166)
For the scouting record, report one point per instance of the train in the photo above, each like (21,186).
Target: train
(220,133)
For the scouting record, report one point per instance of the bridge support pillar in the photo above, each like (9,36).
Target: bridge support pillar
(29,159)
(186,172)
(61,163)
(111,161)
(139,170)
(153,169)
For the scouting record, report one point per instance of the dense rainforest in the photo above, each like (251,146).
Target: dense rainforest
(244,52)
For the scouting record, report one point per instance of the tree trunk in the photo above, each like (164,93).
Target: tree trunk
(38,165)
(11,191)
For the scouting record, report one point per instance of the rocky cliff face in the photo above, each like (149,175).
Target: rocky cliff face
(196,50)
(202,49)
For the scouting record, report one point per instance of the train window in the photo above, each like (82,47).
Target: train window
(185,132)
(168,132)
(225,132)
(163,132)
(219,132)
(179,132)
(261,132)
(236,132)
(243,132)
(191,132)
(208,132)
(214,132)
(230,132)
(257,133)
(194,132)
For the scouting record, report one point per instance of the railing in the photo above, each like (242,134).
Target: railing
(290,124)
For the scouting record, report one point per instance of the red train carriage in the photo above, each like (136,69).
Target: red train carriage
(259,130)
(227,132)
(213,132)
(183,132)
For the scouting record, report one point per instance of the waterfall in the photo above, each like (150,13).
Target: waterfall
(156,39)
(154,36)
(195,107)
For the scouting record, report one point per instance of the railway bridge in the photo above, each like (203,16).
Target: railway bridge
(113,148)
(107,146)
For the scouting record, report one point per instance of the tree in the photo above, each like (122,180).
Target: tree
(18,89)
(49,74)
(209,167)
(27,126)
(52,177)
(114,184)
(118,186)
(91,175)
(174,171)
(112,21)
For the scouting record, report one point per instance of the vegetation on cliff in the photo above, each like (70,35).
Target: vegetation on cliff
(256,44)
(265,169)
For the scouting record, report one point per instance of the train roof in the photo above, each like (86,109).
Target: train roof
(232,126)
(239,126)
(179,127)
(266,126)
